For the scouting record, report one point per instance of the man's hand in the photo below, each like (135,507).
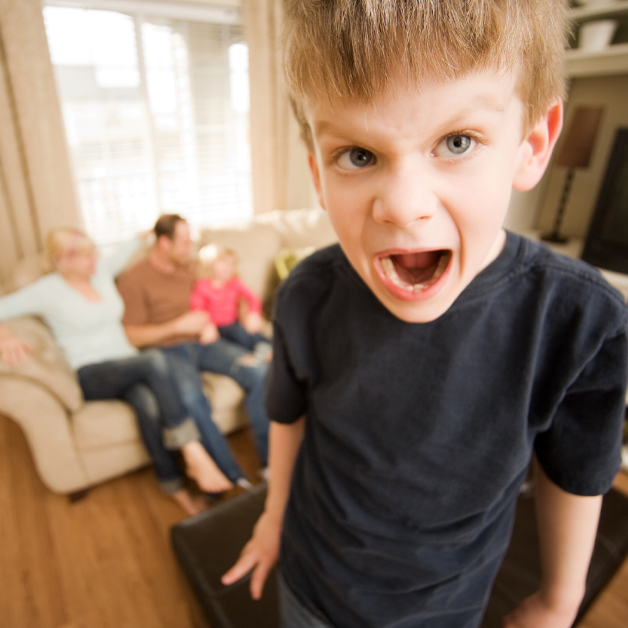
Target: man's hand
(259,555)
(537,612)
(209,334)
(13,351)
(253,323)
(190,323)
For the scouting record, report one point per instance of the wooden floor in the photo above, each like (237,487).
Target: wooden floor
(106,561)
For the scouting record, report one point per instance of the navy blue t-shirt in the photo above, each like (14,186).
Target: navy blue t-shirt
(418,436)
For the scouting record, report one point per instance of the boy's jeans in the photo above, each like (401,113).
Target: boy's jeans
(225,358)
(293,614)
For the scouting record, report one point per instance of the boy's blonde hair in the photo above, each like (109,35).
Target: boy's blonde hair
(352,49)
(62,241)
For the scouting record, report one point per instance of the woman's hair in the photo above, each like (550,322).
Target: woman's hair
(353,49)
(62,241)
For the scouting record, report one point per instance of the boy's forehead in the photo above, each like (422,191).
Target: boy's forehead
(483,91)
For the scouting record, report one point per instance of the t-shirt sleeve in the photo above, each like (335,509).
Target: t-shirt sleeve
(135,307)
(286,394)
(581,451)
(30,300)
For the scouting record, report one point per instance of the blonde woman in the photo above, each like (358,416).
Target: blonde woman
(80,303)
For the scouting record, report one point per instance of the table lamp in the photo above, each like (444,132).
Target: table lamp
(575,153)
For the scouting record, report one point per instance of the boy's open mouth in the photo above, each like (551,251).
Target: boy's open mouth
(415,272)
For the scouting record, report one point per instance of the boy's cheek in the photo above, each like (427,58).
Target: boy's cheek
(316,178)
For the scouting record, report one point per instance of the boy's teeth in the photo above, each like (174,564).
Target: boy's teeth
(390,272)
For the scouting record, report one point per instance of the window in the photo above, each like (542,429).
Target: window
(156,116)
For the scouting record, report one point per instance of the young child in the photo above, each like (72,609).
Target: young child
(419,365)
(219,293)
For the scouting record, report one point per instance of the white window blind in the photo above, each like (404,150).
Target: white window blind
(156,116)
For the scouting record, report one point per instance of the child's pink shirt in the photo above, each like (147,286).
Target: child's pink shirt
(221,302)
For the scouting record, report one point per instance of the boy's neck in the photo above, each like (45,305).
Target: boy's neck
(496,249)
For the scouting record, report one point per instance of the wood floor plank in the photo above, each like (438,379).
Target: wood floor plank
(106,560)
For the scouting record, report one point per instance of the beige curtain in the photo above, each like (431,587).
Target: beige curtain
(36,186)
(279,160)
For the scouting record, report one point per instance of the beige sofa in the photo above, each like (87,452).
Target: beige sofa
(76,444)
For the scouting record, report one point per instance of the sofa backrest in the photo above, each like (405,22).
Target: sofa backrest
(257,243)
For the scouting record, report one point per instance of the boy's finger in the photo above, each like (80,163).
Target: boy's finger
(245,563)
(258,579)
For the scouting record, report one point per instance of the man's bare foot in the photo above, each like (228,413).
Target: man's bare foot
(191,505)
(200,467)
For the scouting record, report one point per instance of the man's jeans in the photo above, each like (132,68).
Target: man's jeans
(225,358)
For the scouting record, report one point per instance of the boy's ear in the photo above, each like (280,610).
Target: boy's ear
(316,178)
(536,148)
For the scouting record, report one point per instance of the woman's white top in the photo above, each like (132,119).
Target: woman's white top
(87,331)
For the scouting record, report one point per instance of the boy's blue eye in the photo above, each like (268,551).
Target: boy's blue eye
(458,144)
(356,158)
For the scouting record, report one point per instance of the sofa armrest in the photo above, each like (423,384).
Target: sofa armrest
(47,366)
(48,430)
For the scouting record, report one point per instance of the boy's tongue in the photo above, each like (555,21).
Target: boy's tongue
(416,267)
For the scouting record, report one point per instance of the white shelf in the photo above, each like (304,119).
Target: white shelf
(586,13)
(612,60)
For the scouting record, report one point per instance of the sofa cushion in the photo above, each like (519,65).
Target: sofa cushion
(47,366)
(104,423)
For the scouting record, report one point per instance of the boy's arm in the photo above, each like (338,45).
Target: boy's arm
(262,551)
(567,527)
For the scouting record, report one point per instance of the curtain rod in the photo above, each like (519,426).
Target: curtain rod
(214,14)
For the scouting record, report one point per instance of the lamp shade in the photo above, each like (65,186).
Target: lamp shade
(578,144)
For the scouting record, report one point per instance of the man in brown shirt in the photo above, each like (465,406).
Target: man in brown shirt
(156,294)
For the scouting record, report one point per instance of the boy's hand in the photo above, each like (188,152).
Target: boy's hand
(253,323)
(536,612)
(259,554)
(209,334)
(13,350)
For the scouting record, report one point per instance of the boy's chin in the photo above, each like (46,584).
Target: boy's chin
(417,311)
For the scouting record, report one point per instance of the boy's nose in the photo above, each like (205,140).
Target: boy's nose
(405,197)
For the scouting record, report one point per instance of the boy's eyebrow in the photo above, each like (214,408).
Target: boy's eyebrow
(481,101)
